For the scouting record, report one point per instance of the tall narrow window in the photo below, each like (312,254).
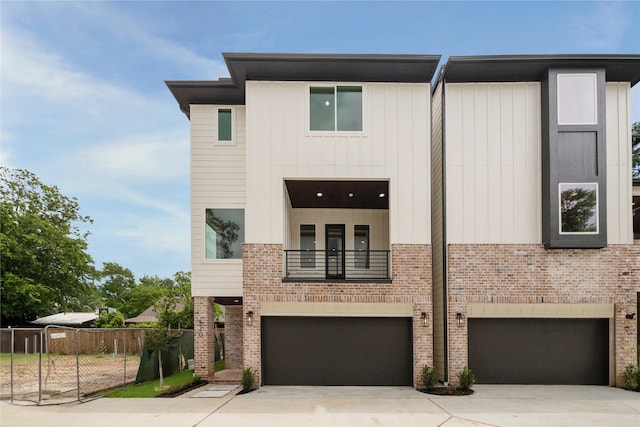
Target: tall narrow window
(336,108)
(307,246)
(361,246)
(578,208)
(224,233)
(224,125)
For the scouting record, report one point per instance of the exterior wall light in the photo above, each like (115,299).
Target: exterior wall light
(630,316)
(423,316)
(249,318)
(459,320)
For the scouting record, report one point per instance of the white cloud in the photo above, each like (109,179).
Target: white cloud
(602,27)
(162,157)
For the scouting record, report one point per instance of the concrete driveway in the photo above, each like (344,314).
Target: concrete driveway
(491,405)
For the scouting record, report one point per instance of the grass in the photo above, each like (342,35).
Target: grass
(219,366)
(5,358)
(147,389)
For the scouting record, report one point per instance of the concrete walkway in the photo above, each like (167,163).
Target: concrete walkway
(491,405)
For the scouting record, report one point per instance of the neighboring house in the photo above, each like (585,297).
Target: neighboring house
(310,215)
(536,276)
(321,183)
(76,320)
(149,315)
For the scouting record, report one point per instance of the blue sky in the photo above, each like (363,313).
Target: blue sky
(84,104)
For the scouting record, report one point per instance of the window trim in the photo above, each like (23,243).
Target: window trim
(335,86)
(219,141)
(596,210)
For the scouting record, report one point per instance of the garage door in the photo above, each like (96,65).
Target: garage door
(337,351)
(539,351)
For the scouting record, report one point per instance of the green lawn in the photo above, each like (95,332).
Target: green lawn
(147,389)
(5,358)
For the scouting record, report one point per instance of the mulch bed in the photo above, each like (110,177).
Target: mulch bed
(446,391)
(185,388)
(246,391)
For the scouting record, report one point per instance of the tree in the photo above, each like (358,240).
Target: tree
(148,291)
(578,210)
(635,161)
(112,319)
(157,340)
(45,264)
(117,283)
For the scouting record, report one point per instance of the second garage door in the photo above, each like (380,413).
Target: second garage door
(337,351)
(539,351)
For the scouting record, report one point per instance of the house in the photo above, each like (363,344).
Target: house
(535,272)
(77,320)
(358,223)
(310,203)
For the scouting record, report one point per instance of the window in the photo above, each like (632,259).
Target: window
(307,246)
(335,108)
(361,246)
(224,125)
(224,233)
(578,208)
(577,99)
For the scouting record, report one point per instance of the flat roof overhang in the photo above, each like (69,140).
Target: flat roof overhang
(320,194)
(301,67)
(521,68)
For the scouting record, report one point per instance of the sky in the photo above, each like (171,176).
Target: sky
(83,103)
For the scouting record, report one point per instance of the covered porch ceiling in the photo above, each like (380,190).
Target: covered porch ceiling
(338,194)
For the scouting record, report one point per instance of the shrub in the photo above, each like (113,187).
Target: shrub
(631,376)
(429,377)
(248,378)
(466,379)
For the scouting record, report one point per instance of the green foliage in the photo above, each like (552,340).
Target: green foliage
(102,348)
(114,319)
(157,339)
(116,283)
(429,377)
(631,376)
(45,265)
(466,379)
(248,379)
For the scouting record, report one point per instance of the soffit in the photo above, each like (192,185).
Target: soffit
(335,194)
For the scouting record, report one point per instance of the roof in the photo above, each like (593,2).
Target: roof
(301,67)
(517,68)
(150,315)
(67,319)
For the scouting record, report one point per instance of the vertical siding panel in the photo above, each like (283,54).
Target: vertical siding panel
(519,212)
(507,169)
(533,193)
(454,158)
(494,190)
(481,193)
(468,148)
(619,189)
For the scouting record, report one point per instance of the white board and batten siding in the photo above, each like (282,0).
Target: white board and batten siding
(218,180)
(493,163)
(394,145)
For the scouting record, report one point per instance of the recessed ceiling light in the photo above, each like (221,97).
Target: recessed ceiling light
(381,195)
(319,194)
(350,194)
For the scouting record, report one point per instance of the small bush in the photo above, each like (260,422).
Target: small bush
(429,377)
(102,348)
(248,378)
(631,376)
(466,379)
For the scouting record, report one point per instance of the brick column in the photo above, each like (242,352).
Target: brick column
(204,352)
(233,337)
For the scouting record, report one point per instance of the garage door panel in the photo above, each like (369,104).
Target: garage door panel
(336,351)
(539,351)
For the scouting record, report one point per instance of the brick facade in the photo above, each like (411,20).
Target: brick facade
(411,283)
(531,274)
(233,337)
(203,318)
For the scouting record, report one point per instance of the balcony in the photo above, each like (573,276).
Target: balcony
(336,265)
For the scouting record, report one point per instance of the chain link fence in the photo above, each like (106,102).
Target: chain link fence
(59,364)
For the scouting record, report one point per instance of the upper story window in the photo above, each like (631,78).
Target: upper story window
(335,108)
(225,117)
(577,99)
(224,233)
(578,208)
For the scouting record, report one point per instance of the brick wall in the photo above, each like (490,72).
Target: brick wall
(531,274)
(233,337)
(411,283)
(203,318)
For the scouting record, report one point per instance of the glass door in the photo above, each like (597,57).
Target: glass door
(335,250)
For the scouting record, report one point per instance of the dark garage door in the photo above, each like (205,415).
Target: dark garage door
(337,351)
(539,351)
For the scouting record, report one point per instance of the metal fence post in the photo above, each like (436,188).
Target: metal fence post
(39,369)
(124,350)
(75,339)
(13,343)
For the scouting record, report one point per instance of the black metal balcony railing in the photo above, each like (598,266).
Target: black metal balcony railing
(336,265)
